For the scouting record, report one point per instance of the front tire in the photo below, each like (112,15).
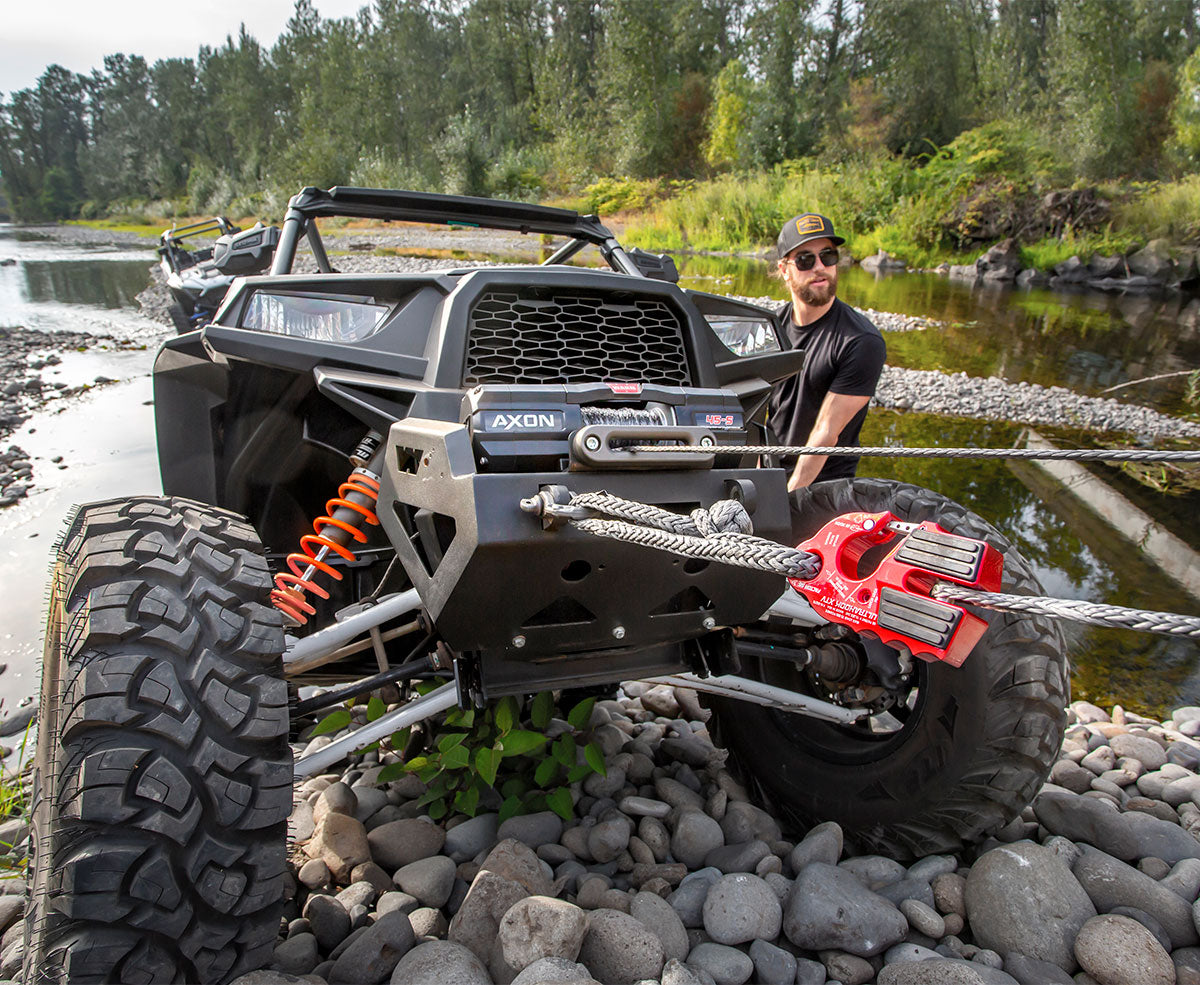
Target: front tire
(976,743)
(163,776)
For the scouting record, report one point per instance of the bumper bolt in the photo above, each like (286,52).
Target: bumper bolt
(707,442)
(591,443)
(619,633)
(709,623)
(518,641)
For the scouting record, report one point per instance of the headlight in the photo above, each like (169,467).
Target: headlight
(325,318)
(744,336)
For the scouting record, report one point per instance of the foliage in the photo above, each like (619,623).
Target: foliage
(1184,143)
(1168,210)
(500,754)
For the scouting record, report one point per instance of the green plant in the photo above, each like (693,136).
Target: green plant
(502,752)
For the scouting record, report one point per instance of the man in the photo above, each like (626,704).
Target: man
(824,404)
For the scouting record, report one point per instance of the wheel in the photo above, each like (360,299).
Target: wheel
(163,776)
(962,752)
(179,318)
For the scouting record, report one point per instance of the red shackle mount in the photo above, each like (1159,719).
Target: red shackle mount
(893,602)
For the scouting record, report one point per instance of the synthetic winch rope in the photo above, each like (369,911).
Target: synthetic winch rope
(1029,454)
(716,534)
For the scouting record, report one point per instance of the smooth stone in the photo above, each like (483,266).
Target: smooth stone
(643,807)
(676,794)
(745,822)
(1031,971)
(1147,921)
(1110,882)
(772,965)
(477,922)
(726,965)
(516,861)
(1088,820)
(554,971)
(932,866)
(1142,748)
(943,971)
(370,800)
(373,956)
(542,828)
(428,923)
(337,798)
(539,927)
(740,908)
(829,909)
(429,880)
(675,972)
(397,843)
(465,841)
(1161,839)
(741,857)
(873,871)
(809,972)
(314,874)
(341,842)
(907,952)
(688,902)
(822,843)
(660,918)
(296,955)
(619,950)
(329,920)
(1024,897)
(395,900)
(923,918)
(608,839)
(1116,950)
(950,893)
(1187,965)
(898,892)
(301,824)
(656,836)
(1184,878)
(696,835)
(440,963)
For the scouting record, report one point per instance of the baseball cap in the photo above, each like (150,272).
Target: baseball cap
(801,229)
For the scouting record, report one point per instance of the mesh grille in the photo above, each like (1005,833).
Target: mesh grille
(531,337)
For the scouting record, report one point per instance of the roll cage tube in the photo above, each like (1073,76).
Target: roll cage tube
(405,206)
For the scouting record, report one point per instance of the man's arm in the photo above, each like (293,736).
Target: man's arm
(837,410)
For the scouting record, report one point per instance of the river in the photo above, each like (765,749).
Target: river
(1085,342)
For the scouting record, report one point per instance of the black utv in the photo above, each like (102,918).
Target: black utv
(349,462)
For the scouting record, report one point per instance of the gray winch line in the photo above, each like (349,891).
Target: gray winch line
(721,533)
(1029,454)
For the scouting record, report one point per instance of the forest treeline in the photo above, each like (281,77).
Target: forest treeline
(540,98)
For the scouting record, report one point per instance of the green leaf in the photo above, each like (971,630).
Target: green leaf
(427,774)
(448,742)
(521,742)
(467,718)
(424,687)
(581,714)
(390,772)
(375,708)
(564,750)
(510,808)
(506,714)
(437,810)
(457,758)
(333,722)
(595,758)
(560,802)
(487,762)
(543,708)
(535,801)
(467,801)
(417,763)
(545,772)
(400,739)
(514,787)
(577,773)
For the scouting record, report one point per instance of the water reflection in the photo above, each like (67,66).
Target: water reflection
(112,284)
(1084,340)
(1073,554)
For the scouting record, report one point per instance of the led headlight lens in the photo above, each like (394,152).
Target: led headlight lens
(324,318)
(744,336)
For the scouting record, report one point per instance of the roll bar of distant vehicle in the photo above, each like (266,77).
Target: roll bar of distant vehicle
(406,206)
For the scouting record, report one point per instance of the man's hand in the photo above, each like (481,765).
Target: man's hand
(837,410)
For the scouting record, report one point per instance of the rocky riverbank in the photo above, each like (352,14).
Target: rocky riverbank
(669,873)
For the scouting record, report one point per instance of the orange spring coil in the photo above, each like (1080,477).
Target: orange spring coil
(288,595)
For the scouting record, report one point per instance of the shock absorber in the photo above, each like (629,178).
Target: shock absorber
(345,515)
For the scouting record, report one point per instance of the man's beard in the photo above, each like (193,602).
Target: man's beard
(818,294)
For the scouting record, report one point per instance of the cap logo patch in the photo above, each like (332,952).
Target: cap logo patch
(810,224)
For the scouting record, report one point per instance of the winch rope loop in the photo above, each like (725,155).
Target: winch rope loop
(1029,454)
(1077,610)
(715,534)
(723,532)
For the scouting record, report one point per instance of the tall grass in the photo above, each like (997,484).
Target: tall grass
(1164,210)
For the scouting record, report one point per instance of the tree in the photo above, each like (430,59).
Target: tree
(1184,144)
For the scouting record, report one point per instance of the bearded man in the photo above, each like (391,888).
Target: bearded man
(824,404)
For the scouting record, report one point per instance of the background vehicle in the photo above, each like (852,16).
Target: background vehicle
(163,772)
(198,278)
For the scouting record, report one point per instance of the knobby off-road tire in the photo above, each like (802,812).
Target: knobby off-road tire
(976,745)
(163,775)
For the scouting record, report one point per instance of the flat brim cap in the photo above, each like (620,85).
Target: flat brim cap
(799,230)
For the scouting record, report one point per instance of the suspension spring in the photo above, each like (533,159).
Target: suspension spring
(342,523)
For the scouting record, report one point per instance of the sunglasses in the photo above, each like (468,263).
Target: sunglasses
(806,261)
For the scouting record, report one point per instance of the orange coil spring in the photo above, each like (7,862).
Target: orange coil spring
(288,595)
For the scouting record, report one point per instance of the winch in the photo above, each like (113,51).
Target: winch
(528,428)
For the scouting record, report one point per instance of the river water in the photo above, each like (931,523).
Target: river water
(1083,341)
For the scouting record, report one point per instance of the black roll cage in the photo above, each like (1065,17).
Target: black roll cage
(407,206)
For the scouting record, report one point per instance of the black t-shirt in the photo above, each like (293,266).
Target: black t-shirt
(845,355)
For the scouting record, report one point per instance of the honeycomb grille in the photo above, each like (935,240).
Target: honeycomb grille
(531,337)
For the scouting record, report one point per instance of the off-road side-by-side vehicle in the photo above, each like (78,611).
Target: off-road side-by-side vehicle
(411,415)
(198,276)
